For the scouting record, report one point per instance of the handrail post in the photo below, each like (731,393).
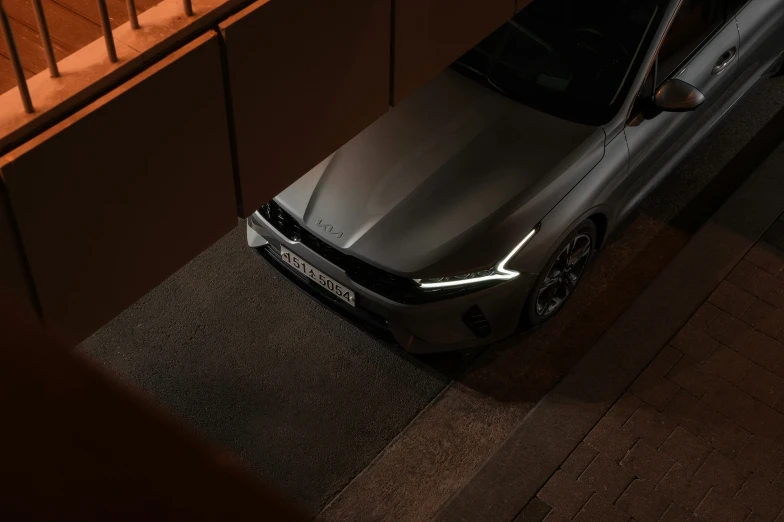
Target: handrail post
(107,30)
(10,44)
(40,17)
(132,17)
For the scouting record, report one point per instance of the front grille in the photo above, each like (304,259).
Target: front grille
(476,321)
(394,287)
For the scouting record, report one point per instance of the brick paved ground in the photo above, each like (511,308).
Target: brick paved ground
(700,433)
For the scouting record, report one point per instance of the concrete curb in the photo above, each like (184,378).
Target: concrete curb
(549,433)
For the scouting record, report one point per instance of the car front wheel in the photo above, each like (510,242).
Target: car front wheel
(561,275)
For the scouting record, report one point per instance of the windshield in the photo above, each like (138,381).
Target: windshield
(574,59)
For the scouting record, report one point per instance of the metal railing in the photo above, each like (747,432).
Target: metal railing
(46,42)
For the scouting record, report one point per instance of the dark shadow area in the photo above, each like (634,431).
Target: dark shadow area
(76,446)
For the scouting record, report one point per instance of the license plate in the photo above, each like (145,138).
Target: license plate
(326,282)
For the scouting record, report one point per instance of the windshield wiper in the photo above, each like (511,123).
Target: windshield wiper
(484,76)
(530,35)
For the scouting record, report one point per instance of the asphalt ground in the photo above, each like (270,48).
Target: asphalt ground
(307,401)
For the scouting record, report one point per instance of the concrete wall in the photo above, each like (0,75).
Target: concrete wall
(13,280)
(116,198)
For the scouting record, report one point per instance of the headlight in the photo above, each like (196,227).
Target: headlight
(498,272)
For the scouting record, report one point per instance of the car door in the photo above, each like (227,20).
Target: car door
(700,48)
(761,28)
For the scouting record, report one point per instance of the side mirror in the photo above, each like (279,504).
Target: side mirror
(677,96)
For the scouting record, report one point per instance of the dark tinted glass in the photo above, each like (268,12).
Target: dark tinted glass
(733,6)
(695,21)
(572,58)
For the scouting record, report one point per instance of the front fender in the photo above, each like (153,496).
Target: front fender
(594,194)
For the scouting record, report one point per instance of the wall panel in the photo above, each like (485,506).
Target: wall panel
(117,197)
(14,286)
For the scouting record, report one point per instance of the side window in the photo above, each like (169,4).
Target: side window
(695,21)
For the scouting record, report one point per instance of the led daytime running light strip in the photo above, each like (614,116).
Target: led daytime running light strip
(500,271)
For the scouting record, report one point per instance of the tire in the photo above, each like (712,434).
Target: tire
(539,308)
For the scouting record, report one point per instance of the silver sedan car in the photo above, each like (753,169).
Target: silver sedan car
(472,208)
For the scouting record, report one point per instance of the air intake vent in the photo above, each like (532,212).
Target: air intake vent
(475,320)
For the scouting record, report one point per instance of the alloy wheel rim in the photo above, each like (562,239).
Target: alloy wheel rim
(563,276)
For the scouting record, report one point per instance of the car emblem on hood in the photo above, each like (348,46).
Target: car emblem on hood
(329,229)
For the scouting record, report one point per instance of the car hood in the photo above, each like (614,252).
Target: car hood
(438,170)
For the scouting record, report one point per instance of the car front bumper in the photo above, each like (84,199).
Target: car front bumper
(455,323)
